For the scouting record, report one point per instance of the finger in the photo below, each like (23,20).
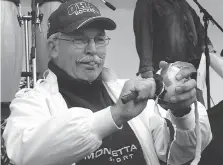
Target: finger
(186,86)
(132,88)
(140,101)
(143,92)
(185,73)
(163,64)
(145,89)
(152,87)
(128,87)
(182,104)
(128,97)
(189,102)
(147,74)
(183,96)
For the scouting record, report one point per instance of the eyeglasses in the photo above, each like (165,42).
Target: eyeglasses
(82,42)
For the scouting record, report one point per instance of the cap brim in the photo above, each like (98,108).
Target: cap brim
(101,22)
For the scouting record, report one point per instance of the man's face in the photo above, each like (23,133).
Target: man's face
(78,62)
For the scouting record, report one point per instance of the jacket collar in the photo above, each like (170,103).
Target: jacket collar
(108,77)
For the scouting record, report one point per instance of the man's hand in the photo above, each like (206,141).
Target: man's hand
(147,74)
(185,94)
(124,112)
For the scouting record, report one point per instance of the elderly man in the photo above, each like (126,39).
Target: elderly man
(75,114)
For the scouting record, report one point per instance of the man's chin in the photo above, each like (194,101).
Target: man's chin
(91,78)
(91,75)
(87,72)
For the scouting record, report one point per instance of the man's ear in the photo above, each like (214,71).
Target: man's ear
(53,48)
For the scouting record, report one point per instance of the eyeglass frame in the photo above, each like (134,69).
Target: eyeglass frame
(88,41)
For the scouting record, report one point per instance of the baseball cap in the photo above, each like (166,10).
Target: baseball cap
(74,14)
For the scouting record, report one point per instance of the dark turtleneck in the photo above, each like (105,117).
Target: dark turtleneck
(81,93)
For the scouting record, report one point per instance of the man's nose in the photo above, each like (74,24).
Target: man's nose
(91,47)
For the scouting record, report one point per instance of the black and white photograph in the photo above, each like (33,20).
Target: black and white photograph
(111,82)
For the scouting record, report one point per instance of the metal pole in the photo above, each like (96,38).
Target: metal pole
(33,49)
(206,18)
(27,48)
(207,62)
(34,71)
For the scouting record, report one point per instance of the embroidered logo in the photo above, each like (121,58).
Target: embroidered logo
(82,7)
(119,155)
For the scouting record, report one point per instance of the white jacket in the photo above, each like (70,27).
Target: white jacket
(42,130)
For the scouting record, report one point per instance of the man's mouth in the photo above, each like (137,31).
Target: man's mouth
(89,65)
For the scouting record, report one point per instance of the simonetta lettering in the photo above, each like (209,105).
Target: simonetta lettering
(122,154)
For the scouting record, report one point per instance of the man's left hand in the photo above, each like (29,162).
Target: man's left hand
(185,94)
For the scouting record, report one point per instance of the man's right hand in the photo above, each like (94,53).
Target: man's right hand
(124,112)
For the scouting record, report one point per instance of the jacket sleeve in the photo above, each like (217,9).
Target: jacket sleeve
(182,149)
(143,27)
(33,136)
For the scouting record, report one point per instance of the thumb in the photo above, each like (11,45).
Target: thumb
(163,64)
